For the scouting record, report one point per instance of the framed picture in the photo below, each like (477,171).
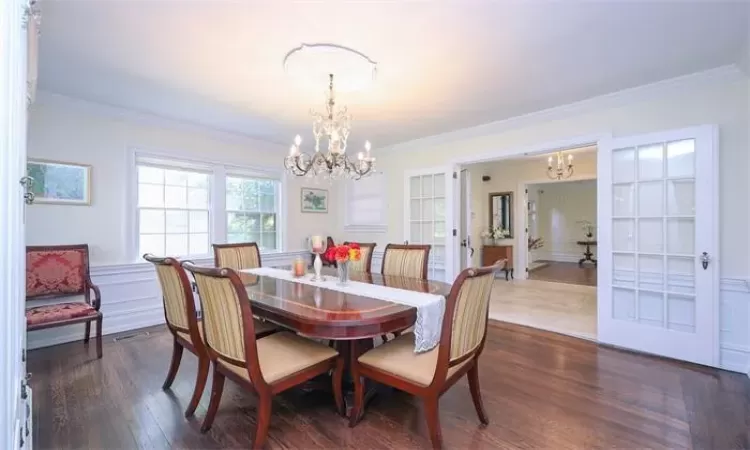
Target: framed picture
(314,200)
(60,182)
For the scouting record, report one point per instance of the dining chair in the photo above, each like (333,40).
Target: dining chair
(406,260)
(242,255)
(428,375)
(265,366)
(365,262)
(182,322)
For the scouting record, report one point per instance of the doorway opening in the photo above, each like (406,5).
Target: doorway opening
(543,227)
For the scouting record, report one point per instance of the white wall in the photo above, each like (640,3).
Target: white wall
(508,176)
(717,97)
(69,130)
(561,207)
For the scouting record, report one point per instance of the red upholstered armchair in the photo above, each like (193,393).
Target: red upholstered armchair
(62,271)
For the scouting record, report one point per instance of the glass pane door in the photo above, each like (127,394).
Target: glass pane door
(653,235)
(426,219)
(657,227)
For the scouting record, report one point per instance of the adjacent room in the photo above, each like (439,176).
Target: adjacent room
(374,225)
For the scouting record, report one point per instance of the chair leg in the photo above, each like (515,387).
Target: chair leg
(264,420)
(432,413)
(338,375)
(200,385)
(99,337)
(174,365)
(476,393)
(87,333)
(217,387)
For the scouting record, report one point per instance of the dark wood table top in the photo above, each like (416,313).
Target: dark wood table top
(324,313)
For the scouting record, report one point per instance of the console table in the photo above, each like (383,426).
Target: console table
(587,255)
(493,253)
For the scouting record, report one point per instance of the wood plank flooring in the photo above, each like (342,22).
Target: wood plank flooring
(541,391)
(565,272)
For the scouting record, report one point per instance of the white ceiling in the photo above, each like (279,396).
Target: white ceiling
(442,65)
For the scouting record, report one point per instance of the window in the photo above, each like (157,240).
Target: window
(173,211)
(252,211)
(182,206)
(365,205)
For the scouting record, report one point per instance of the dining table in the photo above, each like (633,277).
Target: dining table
(350,323)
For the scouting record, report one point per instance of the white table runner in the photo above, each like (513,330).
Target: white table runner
(430,307)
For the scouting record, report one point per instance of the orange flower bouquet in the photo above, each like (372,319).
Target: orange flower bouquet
(342,254)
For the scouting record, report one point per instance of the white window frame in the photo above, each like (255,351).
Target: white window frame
(218,171)
(354,226)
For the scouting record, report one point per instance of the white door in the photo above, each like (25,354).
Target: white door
(464,230)
(658,244)
(427,212)
(13,92)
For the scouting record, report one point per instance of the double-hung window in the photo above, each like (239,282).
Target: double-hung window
(173,210)
(184,206)
(252,211)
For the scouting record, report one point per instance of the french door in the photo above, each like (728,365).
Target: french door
(428,212)
(658,244)
(14,20)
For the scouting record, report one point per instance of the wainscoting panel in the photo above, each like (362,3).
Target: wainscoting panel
(131,299)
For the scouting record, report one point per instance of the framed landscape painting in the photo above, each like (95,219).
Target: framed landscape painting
(60,182)
(314,200)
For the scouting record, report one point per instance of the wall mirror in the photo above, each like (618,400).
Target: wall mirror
(501,212)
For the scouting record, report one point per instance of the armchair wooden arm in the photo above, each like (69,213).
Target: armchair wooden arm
(97,303)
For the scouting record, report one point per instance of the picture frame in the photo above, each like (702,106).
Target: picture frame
(314,200)
(58,182)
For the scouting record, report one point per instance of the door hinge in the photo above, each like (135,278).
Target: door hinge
(455,175)
(455,232)
(527,230)
(527,191)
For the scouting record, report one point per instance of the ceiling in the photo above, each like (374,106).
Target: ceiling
(442,65)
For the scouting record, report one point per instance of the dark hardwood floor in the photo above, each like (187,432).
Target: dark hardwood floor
(541,391)
(565,272)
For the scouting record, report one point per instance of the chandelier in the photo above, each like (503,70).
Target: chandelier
(333,126)
(561,170)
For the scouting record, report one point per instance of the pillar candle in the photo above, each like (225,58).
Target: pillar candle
(317,243)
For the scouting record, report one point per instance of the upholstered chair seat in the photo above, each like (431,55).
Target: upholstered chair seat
(283,354)
(59,312)
(397,358)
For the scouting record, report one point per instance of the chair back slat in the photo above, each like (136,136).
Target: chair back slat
(222,316)
(177,294)
(406,260)
(237,256)
(56,270)
(470,315)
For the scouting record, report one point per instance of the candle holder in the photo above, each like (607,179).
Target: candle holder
(316,247)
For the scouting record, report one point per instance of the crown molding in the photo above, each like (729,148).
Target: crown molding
(712,77)
(48,98)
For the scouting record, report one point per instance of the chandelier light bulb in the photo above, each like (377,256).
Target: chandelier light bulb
(292,150)
(297,140)
(360,156)
(367,146)
(570,158)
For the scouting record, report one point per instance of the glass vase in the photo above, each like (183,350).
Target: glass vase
(343,268)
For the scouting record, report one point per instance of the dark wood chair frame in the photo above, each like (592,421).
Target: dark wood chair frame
(430,395)
(257,384)
(371,246)
(425,248)
(88,286)
(218,247)
(194,346)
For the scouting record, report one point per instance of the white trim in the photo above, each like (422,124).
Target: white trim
(99,109)
(673,86)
